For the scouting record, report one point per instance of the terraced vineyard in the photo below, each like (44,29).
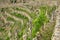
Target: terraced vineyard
(27,20)
(15,22)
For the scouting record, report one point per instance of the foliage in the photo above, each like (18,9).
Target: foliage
(1,29)
(27,11)
(7,38)
(38,21)
(18,15)
(10,19)
(41,19)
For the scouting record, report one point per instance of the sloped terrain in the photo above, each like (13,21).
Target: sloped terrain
(15,20)
(27,21)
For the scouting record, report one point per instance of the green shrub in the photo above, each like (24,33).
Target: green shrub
(41,19)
